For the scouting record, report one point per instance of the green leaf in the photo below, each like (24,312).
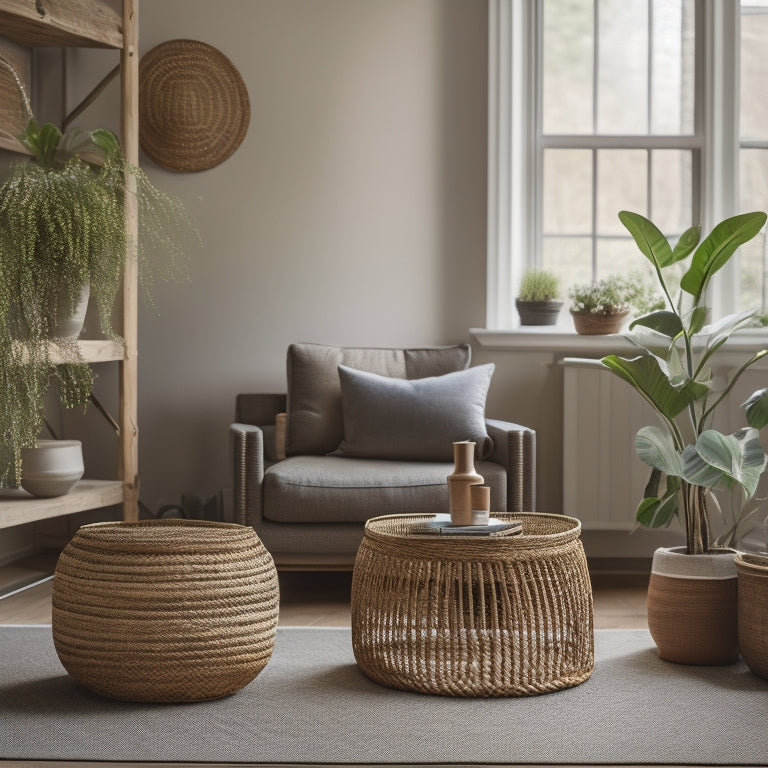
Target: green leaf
(696,471)
(657,513)
(656,449)
(698,320)
(645,374)
(717,248)
(665,322)
(737,458)
(652,486)
(652,244)
(687,242)
(756,407)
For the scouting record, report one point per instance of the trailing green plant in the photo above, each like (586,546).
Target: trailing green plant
(689,458)
(539,285)
(62,227)
(614,295)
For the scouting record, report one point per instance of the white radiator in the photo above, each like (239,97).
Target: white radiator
(603,480)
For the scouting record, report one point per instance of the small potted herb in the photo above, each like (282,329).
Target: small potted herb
(538,303)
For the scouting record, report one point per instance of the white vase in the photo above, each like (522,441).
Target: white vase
(70,324)
(52,468)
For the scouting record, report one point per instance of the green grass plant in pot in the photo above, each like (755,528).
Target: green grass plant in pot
(62,229)
(692,592)
(538,302)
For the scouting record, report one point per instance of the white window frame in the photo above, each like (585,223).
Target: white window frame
(512,238)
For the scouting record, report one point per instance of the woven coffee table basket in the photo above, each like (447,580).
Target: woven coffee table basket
(473,616)
(165,610)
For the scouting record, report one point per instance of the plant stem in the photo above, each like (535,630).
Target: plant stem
(696,522)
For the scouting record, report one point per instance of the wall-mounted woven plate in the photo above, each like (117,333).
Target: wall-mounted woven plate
(193,105)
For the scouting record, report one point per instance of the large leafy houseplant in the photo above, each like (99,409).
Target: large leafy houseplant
(62,226)
(689,458)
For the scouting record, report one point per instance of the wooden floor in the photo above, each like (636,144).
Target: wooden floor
(321,599)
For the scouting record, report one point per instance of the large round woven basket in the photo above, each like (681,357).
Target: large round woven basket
(193,105)
(165,610)
(473,616)
(752,573)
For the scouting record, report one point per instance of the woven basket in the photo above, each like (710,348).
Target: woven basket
(473,616)
(165,610)
(752,573)
(592,324)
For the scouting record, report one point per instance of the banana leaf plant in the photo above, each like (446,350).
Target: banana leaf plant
(689,458)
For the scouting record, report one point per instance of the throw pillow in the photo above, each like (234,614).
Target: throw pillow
(416,419)
(315,424)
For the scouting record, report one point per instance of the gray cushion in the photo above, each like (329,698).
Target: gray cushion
(334,489)
(416,419)
(314,424)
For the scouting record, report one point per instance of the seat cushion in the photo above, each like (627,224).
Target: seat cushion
(335,489)
(414,419)
(314,421)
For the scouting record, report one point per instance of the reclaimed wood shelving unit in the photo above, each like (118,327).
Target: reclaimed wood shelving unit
(92,24)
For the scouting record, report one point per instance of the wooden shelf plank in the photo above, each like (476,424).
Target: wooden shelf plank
(85,23)
(101,350)
(18,507)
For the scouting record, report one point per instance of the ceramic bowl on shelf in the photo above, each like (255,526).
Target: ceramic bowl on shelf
(51,468)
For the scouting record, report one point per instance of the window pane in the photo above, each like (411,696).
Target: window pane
(622,101)
(672,75)
(622,183)
(567,192)
(618,256)
(754,73)
(568,44)
(570,258)
(753,193)
(672,191)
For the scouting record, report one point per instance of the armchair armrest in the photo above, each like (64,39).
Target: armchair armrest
(514,447)
(247,461)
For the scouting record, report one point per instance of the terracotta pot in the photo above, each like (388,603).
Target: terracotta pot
(692,602)
(538,312)
(591,324)
(753,611)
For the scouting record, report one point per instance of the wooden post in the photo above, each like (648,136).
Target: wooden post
(129,434)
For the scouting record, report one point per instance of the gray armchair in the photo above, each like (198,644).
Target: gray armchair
(309,504)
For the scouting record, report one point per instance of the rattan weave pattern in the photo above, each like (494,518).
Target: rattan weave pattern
(473,616)
(165,610)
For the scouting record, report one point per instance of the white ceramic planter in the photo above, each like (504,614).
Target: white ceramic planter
(52,468)
(69,325)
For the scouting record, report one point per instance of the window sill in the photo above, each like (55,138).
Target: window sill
(559,339)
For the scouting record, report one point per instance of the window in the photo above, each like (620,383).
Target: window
(599,105)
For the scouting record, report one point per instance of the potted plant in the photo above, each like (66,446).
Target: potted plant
(692,597)
(537,303)
(602,307)
(62,229)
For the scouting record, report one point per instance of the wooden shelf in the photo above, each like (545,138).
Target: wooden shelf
(18,507)
(67,23)
(101,351)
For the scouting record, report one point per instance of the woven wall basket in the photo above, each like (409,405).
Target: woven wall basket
(473,616)
(165,610)
(193,105)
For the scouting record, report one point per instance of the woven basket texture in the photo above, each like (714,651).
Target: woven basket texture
(194,108)
(473,616)
(752,573)
(165,610)
(693,621)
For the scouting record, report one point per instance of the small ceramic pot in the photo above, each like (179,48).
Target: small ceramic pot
(52,468)
(753,611)
(538,312)
(692,602)
(70,324)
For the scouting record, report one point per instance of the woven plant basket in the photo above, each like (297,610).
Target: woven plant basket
(165,610)
(592,324)
(692,606)
(473,616)
(752,573)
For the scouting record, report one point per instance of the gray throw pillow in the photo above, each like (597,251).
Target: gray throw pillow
(315,424)
(414,419)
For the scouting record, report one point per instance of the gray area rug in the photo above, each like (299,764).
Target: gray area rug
(311,704)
